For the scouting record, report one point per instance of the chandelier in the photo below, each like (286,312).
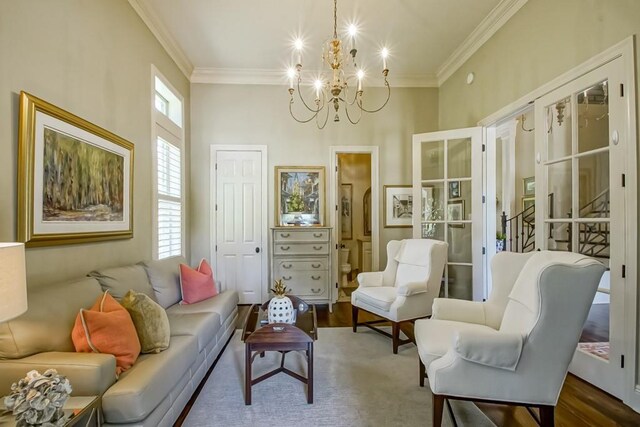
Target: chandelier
(340,81)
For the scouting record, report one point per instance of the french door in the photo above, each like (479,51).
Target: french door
(580,200)
(448,204)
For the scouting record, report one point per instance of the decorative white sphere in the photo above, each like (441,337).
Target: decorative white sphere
(281,310)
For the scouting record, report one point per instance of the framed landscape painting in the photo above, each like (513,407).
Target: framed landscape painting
(299,196)
(398,205)
(75,179)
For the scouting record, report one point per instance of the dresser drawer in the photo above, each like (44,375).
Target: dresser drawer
(301,236)
(284,266)
(306,284)
(285,248)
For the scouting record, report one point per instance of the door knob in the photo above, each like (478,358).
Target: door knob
(257,250)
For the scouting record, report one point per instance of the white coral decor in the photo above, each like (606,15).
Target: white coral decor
(38,399)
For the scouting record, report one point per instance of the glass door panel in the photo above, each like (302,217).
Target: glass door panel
(448,183)
(576,178)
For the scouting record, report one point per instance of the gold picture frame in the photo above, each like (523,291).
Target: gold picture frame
(75,179)
(300,196)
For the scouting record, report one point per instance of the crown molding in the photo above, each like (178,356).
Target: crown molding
(162,34)
(239,76)
(498,16)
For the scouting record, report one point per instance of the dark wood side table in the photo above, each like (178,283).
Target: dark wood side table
(281,337)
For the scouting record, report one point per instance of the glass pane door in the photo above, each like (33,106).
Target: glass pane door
(447,182)
(575,159)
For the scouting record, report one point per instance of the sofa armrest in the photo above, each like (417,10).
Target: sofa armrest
(411,288)
(90,374)
(490,348)
(458,310)
(370,278)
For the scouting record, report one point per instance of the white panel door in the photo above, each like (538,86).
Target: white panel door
(239,254)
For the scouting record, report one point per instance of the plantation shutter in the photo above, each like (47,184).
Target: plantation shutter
(169,199)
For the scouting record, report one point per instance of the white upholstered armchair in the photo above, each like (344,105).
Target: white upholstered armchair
(513,349)
(405,290)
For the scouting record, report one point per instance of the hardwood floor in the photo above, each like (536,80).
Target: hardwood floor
(580,404)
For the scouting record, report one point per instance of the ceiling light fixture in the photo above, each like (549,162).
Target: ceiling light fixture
(333,85)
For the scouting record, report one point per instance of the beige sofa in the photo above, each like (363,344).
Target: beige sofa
(155,390)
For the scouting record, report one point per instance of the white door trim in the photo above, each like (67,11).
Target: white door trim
(334,150)
(264,204)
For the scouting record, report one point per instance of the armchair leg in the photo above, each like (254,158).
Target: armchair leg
(354,318)
(395,331)
(547,415)
(423,372)
(438,407)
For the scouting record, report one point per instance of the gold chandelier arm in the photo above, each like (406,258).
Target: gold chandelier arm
(316,110)
(386,83)
(346,109)
(297,119)
(326,119)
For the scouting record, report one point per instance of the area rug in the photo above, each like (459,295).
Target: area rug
(358,382)
(599,349)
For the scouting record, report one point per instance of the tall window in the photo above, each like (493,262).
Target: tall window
(168,150)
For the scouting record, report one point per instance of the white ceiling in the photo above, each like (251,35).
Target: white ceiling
(426,38)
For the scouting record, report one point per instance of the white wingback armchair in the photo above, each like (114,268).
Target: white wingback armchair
(473,352)
(405,290)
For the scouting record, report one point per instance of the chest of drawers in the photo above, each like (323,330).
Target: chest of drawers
(301,259)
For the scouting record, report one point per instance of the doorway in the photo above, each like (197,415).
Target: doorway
(354,184)
(239,219)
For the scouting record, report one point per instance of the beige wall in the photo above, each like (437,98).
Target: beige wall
(543,40)
(237,114)
(92,58)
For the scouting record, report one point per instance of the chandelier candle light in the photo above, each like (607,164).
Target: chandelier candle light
(332,87)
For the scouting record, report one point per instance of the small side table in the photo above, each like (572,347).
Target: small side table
(79,410)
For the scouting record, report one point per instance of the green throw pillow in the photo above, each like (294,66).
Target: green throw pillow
(150,320)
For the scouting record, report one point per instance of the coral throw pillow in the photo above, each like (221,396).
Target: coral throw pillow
(197,285)
(107,328)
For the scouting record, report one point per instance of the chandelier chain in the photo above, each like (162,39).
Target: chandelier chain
(335,19)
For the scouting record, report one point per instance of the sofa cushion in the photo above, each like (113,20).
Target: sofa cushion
(224,304)
(119,280)
(140,389)
(150,320)
(204,326)
(90,374)
(107,328)
(164,276)
(47,324)
(196,284)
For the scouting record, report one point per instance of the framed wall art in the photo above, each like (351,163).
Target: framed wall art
(529,186)
(346,211)
(398,205)
(366,212)
(455,212)
(300,195)
(75,179)
(454,189)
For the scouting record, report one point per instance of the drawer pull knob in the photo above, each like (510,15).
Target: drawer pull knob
(316,277)
(316,265)
(285,248)
(317,248)
(287,265)
(316,291)
(285,235)
(317,235)
(286,278)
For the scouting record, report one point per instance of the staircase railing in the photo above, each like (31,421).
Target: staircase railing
(593,238)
